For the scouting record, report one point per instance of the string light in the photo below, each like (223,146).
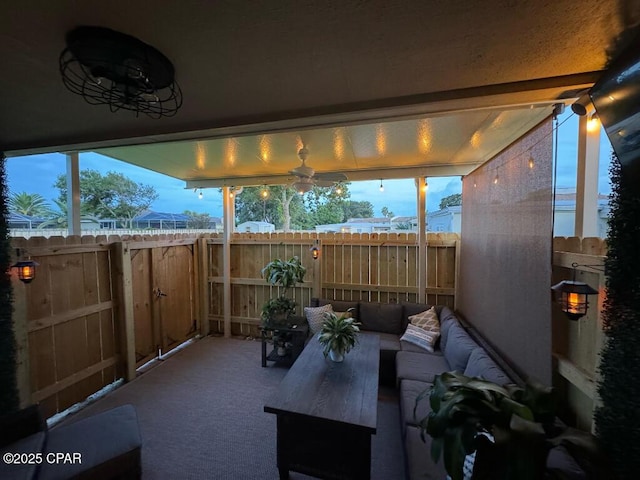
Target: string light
(531,163)
(381,186)
(426,186)
(200,195)
(338,190)
(496,179)
(265,192)
(231,193)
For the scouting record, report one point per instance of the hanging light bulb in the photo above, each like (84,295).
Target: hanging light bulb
(338,190)
(593,124)
(496,179)
(381,186)
(231,192)
(426,186)
(200,195)
(265,192)
(531,163)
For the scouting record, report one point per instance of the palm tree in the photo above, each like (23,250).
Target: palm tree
(58,218)
(32,204)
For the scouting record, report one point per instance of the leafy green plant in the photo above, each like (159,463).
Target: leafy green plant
(9,398)
(617,420)
(339,334)
(467,411)
(284,274)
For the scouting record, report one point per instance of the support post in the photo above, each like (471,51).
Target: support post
(228,213)
(316,289)
(203,257)
(73,193)
(124,279)
(422,239)
(586,223)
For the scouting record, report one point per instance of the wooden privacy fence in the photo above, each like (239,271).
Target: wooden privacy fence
(97,307)
(374,267)
(577,344)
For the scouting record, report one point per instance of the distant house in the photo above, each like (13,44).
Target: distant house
(404,223)
(162,220)
(18,220)
(357,225)
(447,219)
(255,227)
(564,219)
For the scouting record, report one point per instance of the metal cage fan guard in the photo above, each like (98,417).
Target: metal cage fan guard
(112,68)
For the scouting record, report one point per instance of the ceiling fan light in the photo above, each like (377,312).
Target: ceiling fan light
(303,187)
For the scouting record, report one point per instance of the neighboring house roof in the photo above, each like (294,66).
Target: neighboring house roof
(369,220)
(19,217)
(257,223)
(150,215)
(403,219)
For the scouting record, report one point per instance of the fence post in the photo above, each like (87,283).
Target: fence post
(124,290)
(21,335)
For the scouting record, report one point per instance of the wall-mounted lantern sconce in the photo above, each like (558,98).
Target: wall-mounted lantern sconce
(572,296)
(315,250)
(26,270)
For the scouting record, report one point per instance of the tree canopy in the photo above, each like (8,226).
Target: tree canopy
(32,204)
(110,196)
(286,209)
(451,200)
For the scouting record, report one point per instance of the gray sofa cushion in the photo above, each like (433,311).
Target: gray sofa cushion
(458,348)
(481,365)
(109,443)
(381,317)
(409,391)
(412,347)
(342,306)
(420,366)
(420,466)
(447,319)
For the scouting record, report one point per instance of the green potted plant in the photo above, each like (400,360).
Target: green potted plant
(511,428)
(283,274)
(338,335)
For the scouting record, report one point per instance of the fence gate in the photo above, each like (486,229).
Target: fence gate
(164,298)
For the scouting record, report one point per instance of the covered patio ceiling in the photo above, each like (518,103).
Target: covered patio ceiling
(375,89)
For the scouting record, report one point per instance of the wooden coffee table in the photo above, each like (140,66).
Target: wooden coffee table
(327,412)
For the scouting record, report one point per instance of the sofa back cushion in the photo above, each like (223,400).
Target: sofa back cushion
(481,365)
(447,319)
(342,306)
(381,317)
(458,347)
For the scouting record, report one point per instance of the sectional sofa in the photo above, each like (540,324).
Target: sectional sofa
(105,446)
(413,369)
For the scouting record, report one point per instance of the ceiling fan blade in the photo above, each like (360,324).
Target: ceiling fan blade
(331,177)
(324,183)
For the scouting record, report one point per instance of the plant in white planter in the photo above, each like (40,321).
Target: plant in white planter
(338,335)
(512,428)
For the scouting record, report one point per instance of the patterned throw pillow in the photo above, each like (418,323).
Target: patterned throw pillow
(420,337)
(315,316)
(427,320)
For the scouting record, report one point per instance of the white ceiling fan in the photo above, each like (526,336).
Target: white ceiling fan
(306,177)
